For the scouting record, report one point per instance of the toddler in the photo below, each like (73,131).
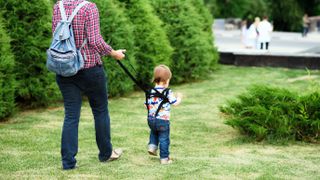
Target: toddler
(159,113)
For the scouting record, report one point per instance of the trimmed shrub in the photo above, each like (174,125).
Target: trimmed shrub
(7,78)
(152,46)
(194,54)
(207,20)
(117,30)
(275,114)
(29,26)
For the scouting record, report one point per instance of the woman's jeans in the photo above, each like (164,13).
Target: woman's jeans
(160,135)
(92,83)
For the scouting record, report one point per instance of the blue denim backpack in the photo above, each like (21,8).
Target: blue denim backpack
(63,57)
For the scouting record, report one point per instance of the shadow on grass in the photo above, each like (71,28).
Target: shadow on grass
(243,140)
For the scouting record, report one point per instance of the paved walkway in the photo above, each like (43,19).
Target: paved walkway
(282,43)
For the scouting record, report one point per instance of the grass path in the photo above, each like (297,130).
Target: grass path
(202,146)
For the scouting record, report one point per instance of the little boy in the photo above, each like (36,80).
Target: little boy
(158,119)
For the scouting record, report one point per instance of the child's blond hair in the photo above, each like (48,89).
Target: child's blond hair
(161,73)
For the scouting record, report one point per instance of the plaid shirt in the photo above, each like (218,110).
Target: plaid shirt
(85,24)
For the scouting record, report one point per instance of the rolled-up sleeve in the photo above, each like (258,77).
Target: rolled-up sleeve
(93,31)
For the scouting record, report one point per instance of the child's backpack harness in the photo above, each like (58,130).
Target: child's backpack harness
(150,92)
(63,57)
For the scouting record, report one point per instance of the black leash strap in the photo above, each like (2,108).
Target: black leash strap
(132,78)
(147,89)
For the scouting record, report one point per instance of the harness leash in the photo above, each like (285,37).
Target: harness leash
(147,89)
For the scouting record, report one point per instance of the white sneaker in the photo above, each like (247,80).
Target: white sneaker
(116,153)
(152,151)
(166,161)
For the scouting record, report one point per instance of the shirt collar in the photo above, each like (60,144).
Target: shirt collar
(159,87)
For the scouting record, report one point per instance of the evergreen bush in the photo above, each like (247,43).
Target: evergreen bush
(307,124)
(194,54)
(275,114)
(117,30)
(152,46)
(29,26)
(207,20)
(7,78)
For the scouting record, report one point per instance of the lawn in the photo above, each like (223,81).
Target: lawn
(202,146)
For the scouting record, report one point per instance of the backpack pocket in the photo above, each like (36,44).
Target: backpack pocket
(64,63)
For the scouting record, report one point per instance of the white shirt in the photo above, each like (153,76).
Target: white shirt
(264,29)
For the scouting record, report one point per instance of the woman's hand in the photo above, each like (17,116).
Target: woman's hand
(118,54)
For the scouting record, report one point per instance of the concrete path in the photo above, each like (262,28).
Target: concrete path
(282,43)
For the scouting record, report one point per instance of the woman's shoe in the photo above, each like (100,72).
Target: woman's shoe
(116,153)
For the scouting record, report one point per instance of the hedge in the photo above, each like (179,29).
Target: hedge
(117,30)
(194,55)
(7,78)
(207,20)
(275,114)
(152,45)
(29,26)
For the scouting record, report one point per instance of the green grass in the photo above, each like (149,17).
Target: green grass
(202,146)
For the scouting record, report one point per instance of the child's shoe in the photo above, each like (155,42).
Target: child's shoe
(152,151)
(166,161)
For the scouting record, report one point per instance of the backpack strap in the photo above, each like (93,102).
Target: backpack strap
(62,11)
(75,11)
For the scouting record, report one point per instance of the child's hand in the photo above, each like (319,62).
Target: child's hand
(179,95)
(179,98)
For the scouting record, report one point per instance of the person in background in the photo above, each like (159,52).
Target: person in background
(251,35)
(305,25)
(244,32)
(264,29)
(256,23)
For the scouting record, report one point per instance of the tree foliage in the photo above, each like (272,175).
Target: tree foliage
(28,24)
(7,77)
(286,15)
(117,30)
(152,46)
(194,54)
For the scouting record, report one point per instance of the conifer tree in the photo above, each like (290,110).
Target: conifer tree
(29,26)
(117,31)
(194,55)
(7,78)
(152,46)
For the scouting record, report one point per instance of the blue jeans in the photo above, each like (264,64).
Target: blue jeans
(92,83)
(160,135)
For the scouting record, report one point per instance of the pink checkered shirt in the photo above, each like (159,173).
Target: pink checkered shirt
(85,24)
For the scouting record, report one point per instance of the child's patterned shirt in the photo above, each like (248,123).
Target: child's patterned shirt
(154,102)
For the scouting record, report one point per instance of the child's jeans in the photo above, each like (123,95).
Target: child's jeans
(160,135)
